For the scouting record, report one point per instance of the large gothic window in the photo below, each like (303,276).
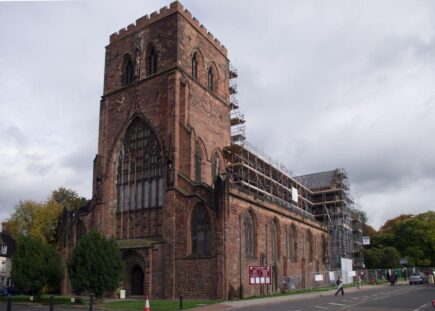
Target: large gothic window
(249,236)
(198,164)
(195,67)
(293,243)
(151,60)
(139,180)
(127,71)
(275,242)
(200,232)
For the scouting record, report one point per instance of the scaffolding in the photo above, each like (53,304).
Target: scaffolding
(258,174)
(238,128)
(334,206)
(323,196)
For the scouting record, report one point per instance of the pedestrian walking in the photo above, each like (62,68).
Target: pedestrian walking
(339,284)
(393,278)
(358,281)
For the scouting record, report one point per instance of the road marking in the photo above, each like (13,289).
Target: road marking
(421,307)
(320,307)
(336,304)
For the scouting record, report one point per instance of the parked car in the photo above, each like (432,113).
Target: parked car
(5,291)
(417,278)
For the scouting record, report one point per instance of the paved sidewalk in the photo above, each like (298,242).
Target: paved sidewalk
(227,305)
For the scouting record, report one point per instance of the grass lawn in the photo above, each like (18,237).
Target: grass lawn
(155,304)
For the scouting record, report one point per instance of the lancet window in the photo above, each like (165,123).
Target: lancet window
(200,231)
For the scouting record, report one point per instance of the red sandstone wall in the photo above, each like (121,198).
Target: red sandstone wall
(264,214)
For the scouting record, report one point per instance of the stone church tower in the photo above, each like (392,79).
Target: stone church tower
(164,119)
(162,184)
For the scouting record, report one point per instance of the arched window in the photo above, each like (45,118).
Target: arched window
(151,60)
(195,67)
(215,165)
(128,71)
(275,241)
(200,231)
(198,164)
(293,243)
(210,79)
(310,246)
(249,236)
(139,180)
(324,249)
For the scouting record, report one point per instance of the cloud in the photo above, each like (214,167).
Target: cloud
(322,85)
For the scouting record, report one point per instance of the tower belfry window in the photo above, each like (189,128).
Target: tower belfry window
(210,79)
(195,67)
(128,71)
(198,164)
(151,61)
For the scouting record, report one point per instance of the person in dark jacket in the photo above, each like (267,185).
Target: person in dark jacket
(339,284)
(393,279)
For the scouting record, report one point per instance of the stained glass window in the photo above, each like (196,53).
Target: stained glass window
(139,169)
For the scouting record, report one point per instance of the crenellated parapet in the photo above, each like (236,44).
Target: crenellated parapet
(174,7)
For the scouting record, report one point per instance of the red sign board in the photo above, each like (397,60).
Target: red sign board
(260,275)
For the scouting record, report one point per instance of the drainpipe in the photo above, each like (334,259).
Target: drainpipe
(267,286)
(240,257)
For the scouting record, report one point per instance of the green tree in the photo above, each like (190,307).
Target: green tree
(390,258)
(41,219)
(21,221)
(372,257)
(412,237)
(36,265)
(68,198)
(369,231)
(95,264)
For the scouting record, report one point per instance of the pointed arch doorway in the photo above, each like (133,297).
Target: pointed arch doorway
(137,280)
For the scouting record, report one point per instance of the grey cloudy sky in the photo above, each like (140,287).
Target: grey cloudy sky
(323,84)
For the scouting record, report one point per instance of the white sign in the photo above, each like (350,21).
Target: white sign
(331,276)
(366,240)
(351,273)
(318,277)
(122,294)
(346,266)
(295,194)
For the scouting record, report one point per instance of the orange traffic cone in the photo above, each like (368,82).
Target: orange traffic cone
(147,304)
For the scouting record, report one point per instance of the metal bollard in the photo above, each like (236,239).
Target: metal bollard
(9,305)
(181,302)
(91,302)
(51,303)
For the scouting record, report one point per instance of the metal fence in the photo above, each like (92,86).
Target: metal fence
(325,279)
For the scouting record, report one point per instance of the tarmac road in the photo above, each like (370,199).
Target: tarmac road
(382,298)
(369,298)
